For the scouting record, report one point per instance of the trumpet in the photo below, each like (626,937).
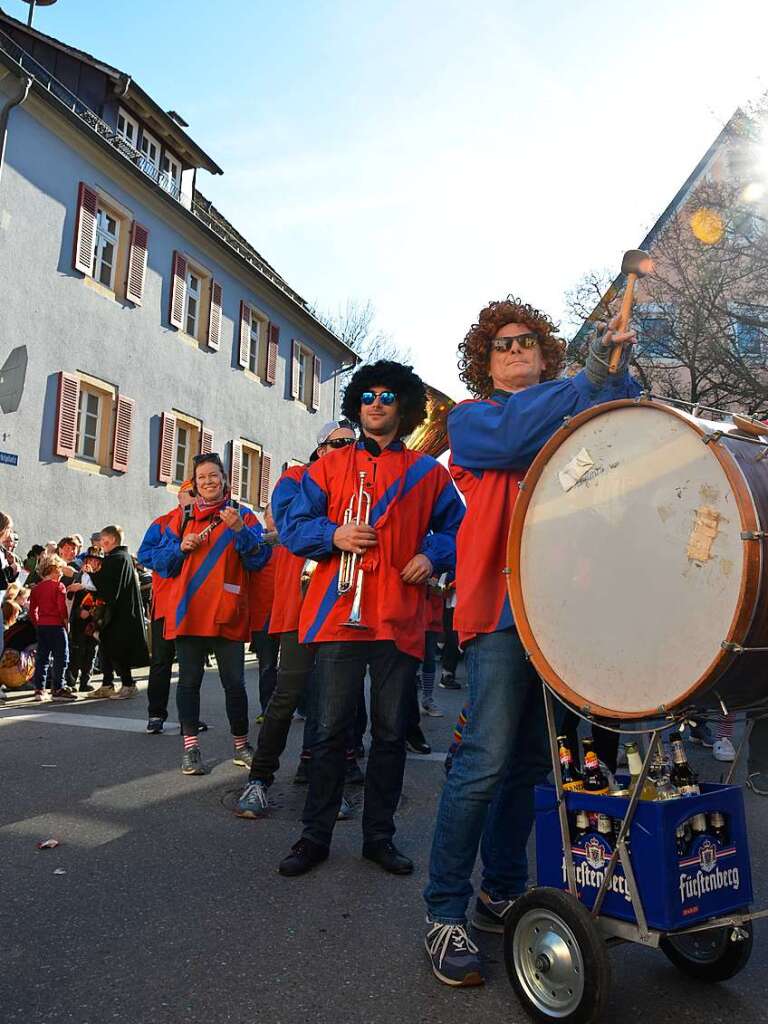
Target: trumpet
(350,567)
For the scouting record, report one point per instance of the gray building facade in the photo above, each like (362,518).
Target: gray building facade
(137,326)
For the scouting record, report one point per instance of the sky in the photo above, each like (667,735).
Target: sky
(431,156)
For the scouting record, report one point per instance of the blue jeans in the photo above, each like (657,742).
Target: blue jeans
(487,800)
(333,705)
(51,640)
(230,658)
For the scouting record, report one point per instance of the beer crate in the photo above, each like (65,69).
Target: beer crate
(711,878)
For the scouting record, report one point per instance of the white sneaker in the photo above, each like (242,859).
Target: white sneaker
(431,709)
(723,750)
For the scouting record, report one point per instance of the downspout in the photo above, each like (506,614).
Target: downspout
(16,98)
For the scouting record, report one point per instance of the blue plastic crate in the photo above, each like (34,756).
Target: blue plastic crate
(711,879)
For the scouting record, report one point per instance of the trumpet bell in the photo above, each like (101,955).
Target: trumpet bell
(307,572)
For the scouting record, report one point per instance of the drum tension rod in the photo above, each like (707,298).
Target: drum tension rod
(738,649)
(713,436)
(753,535)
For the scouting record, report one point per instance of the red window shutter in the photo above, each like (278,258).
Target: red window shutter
(266,467)
(234,469)
(294,369)
(245,334)
(316,385)
(178,289)
(206,441)
(214,319)
(84,242)
(273,334)
(165,456)
(137,263)
(123,430)
(67,401)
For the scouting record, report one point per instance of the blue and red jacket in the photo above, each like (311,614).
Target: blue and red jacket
(287,606)
(211,585)
(493,442)
(154,538)
(414,509)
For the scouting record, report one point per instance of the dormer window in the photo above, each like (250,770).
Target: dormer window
(150,147)
(170,178)
(128,128)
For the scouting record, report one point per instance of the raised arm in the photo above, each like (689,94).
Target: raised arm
(509,434)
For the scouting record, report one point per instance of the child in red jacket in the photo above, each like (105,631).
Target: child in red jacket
(48,611)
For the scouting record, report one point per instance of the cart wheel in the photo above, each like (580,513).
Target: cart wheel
(710,956)
(556,959)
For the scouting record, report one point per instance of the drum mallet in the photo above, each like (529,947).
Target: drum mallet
(635,264)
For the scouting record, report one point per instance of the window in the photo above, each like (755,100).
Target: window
(181,454)
(88,424)
(257,350)
(250,473)
(110,247)
(195,302)
(182,437)
(127,128)
(105,253)
(749,330)
(93,423)
(305,376)
(192,310)
(654,336)
(150,147)
(170,178)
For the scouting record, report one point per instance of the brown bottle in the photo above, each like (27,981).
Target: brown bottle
(595,780)
(568,771)
(682,775)
(717,827)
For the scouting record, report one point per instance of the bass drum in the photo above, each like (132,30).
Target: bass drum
(636,563)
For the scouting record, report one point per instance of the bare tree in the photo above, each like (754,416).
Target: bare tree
(355,324)
(702,316)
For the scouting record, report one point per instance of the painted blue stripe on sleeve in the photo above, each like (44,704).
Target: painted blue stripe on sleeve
(199,577)
(329,600)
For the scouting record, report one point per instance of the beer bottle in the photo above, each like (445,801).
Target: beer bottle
(698,827)
(605,828)
(595,780)
(582,826)
(568,772)
(682,774)
(717,827)
(635,763)
(681,840)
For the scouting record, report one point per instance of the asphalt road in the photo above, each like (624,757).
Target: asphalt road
(170,909)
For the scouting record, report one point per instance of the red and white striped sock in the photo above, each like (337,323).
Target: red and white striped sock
(240,742)
(723,727)
(190,742)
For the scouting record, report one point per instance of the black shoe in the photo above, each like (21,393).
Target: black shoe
(354,775)
(387,856)
(304,856)
(448,681)
(155,726)
(85,688)
(415,742)
(301,778)
(202,727)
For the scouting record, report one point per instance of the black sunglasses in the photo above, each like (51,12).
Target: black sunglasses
(338,442)
(385,397)
(523,340)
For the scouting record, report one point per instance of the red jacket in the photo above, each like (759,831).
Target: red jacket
(48,603)
(287,605)
(211,585)
(262,594)
(433,611)
(153,541)
(414,508)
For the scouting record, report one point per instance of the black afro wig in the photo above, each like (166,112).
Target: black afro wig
(409,388)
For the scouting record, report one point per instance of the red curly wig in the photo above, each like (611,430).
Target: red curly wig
(475,349)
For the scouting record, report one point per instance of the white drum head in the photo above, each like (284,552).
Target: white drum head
(631,559)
